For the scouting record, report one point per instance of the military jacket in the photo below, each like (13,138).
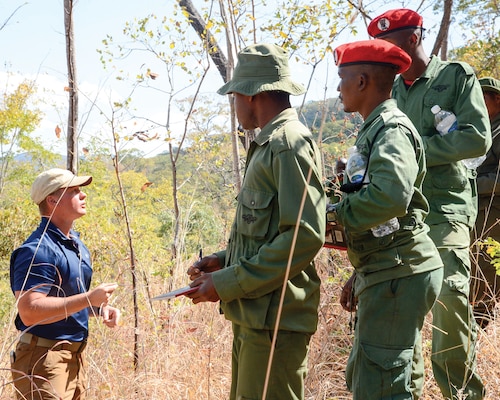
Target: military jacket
(278,163)
(396,170)
(449,187)
(488,175)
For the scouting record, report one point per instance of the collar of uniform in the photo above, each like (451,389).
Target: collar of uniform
(432,68)
(387,105)
(265,134)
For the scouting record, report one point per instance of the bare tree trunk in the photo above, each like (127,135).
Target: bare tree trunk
(200,27)
(177,213)
(133,269)
(224,66)
(442,36)
(72,139)
(174,157)
(444,50)
(235,130)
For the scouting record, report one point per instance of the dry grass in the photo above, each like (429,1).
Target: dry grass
(185,350)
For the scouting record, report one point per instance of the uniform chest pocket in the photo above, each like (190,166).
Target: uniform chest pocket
(254,212)
(449,181)
(440,95)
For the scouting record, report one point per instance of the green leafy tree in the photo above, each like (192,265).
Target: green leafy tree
(162,43)
(493,250)
(18,119)
(480,20)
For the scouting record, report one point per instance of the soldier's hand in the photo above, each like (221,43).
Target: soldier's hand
(347,299)
(206,290)
(206,264)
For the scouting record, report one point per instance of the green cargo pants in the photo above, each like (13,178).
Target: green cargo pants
(455,330)
(390,318)
(251,348)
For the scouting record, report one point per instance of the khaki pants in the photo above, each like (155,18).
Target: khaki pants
(41,372)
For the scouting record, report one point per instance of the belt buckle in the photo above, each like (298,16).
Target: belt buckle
(27,338)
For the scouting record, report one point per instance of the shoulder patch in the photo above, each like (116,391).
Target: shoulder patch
(391,117)
(466,67)
(287,135)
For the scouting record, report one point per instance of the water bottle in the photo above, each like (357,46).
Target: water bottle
(473,163)
(386,228)
(355,169)
(445,122)
(356,165)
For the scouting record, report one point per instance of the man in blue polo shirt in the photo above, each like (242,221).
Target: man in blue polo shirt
(50,277)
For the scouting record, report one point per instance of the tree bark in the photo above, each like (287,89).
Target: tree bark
(441,42)
(72,138)
(224,67)
(199,26)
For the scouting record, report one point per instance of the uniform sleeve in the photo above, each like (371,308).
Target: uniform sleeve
(221,255)
(472,138)
(392,170)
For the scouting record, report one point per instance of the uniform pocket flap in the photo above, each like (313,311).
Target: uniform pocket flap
(449,181)
(254,213)
(254,199)
(388,358)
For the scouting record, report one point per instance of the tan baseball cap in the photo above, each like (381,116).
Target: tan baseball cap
(54,179)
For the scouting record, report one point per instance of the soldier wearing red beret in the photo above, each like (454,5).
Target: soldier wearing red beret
(398,272)
(450,188)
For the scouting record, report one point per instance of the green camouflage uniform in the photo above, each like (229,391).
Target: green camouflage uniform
(451,191)
(256,257)
(398,276)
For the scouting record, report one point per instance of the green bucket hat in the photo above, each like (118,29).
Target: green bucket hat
(489,84)
(262,68)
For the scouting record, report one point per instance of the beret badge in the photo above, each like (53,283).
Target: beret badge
(383,24)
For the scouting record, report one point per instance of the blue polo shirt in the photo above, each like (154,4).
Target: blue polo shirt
(49,262)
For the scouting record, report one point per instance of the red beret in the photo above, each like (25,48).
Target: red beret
(375,51)
(394,20)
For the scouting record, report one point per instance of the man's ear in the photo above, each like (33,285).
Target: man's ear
(415,39)
(362,81)
(51,200)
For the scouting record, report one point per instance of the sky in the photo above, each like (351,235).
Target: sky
(33,47)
